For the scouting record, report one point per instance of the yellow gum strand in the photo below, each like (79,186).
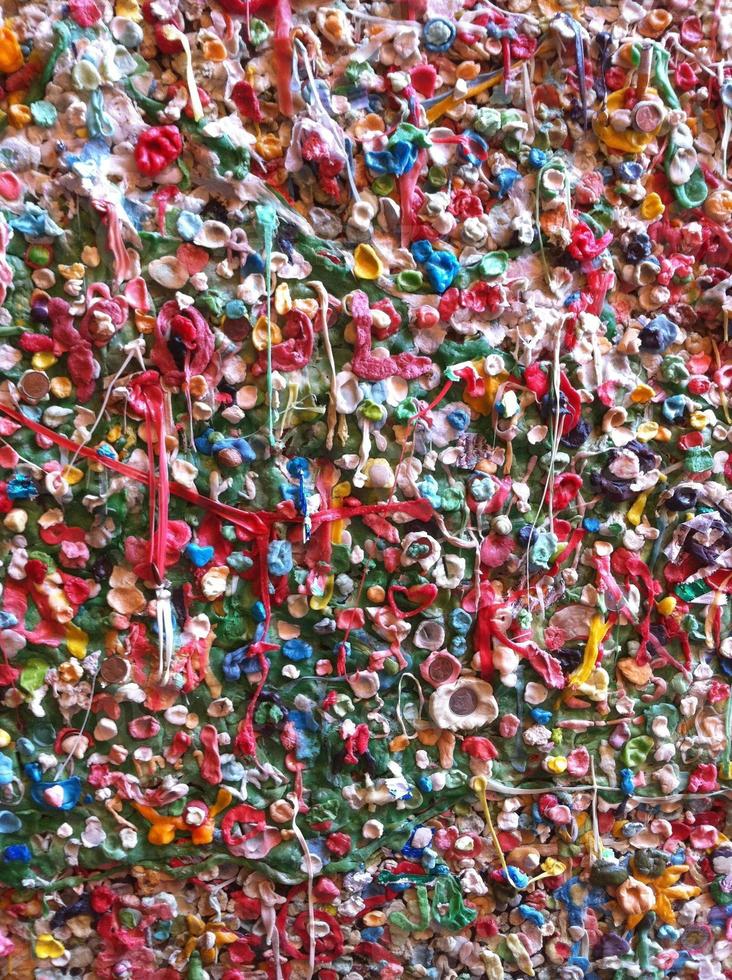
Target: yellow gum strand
(598,629)
(452,101)
(479,787)
(340,492)
(718,362)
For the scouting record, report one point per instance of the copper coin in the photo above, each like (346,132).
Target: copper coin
(647,117)
(34,386)
(464,701)
(441,669)
(114,670)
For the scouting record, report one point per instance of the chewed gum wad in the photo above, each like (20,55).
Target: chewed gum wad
(366,544)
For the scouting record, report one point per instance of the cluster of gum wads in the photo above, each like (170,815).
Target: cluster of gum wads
(364,459)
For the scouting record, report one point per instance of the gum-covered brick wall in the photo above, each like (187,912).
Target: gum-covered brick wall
(366,542)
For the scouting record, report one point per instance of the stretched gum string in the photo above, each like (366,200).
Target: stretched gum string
(267,219)
(407,186)
(308,860)
(159,498)
(282,46)
(506,52)
(644,70)
(283,55)
(123,266)
(484,641)
(174,34)
(479,787)
(158,543)
(246,739)
(579,53)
